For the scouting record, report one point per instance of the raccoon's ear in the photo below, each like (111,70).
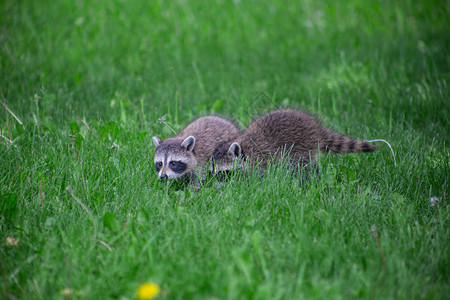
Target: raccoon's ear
(235,150)
(156,141)
(189,143)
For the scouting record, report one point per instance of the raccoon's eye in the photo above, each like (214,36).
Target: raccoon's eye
(158,165)
(177,166)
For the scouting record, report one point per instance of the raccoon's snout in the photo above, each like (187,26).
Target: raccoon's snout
(163,176)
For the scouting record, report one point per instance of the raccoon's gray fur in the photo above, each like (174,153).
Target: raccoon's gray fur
(190,150)
(289,132)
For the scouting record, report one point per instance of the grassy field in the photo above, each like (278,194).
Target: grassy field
(83,215)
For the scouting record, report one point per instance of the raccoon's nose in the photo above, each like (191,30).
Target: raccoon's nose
(163,176)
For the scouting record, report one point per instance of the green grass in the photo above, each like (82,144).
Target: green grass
(84,76)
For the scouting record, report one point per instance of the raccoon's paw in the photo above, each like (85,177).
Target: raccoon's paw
(194,186)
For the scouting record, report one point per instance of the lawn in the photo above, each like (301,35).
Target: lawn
(84,83)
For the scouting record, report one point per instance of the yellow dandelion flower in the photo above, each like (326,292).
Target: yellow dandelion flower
(147,291)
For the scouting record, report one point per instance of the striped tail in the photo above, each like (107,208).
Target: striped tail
(336,143)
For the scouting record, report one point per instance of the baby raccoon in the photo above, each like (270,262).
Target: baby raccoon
(190,150)
(284,133)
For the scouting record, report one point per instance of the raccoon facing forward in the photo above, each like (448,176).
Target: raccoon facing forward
(189,151)
(284,133)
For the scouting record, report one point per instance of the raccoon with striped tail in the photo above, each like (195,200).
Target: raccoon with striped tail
(188,153)
(283,133)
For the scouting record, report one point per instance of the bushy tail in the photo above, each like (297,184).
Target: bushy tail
(336,143)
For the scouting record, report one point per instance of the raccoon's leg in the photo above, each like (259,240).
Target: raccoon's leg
(300,163)
(261,171)
(197,178)
(194,183)
(302,167)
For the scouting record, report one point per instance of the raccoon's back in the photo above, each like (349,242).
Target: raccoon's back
(286,130)
(209,133)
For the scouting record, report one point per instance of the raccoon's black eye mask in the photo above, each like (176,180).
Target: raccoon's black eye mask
(177,166)
(158,166)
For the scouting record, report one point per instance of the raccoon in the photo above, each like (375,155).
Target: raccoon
(285,133)
(190,150)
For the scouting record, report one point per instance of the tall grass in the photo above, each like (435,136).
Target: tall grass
(83,214)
